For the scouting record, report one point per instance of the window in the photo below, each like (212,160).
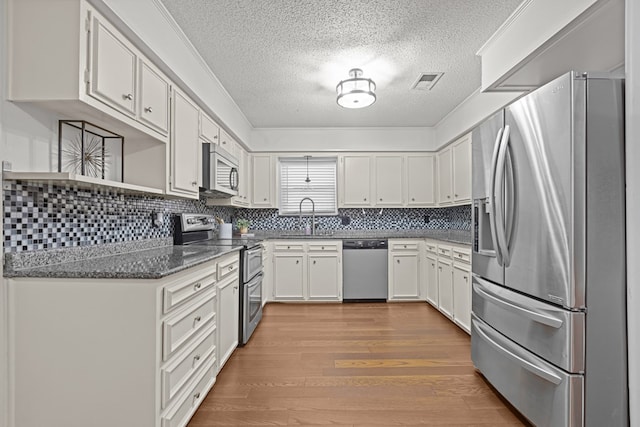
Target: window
(321,187)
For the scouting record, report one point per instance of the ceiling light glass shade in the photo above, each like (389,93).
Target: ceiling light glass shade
(356,92)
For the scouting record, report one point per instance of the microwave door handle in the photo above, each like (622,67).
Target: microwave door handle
(233,178)
(492,201)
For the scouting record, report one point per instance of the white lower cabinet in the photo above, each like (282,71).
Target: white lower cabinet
(431,278)
(462,296)
(137,352)
(445,287)
(307,270)
(404,270)
(228,307)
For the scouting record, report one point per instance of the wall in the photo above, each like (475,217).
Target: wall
(344,139)
(633,202)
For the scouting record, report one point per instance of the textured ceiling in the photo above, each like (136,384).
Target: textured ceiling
(280,60)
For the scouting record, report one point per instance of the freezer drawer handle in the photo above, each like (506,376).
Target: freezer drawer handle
(535,316)
(536,370)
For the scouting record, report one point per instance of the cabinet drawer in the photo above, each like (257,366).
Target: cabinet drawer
(177,373)
(288,246)
(179,415)
(431,247)
(209,130)
(178,329)
(176,294)
(444,251)
(324,247)
(462,255)
(405,246)
(228,266)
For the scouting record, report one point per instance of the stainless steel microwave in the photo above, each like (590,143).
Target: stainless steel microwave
(219,172)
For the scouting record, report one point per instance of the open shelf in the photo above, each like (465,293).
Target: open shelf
(81,181)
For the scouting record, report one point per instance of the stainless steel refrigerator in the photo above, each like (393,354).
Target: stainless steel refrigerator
(549,297)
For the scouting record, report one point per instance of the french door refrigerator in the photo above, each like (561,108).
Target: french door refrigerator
(548,297)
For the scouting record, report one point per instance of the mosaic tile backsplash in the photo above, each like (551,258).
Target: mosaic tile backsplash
(45,216)
(50,216)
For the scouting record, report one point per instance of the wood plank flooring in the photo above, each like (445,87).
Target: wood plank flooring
(353,365)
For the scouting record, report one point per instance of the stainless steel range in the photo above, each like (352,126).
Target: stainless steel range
(199,229)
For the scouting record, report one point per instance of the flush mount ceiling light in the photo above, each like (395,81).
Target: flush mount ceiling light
(356,92)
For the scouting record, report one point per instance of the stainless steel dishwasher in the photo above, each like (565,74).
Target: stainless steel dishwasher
(364,274)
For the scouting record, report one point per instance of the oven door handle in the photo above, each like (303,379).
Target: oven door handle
(256,281)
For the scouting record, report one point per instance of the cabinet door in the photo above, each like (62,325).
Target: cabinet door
(184,146)
(405,276)
(113,68)
(421,180)
(288,276)
(153,108)
(431,273)
(462,297)
(356,181)
(445,287)
(209,130)
(228,143)
(462,169)
(445,185)
(389,180)
(242,198)
(325,278)
(262,178)
(228,318)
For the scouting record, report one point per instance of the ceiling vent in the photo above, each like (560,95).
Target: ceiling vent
(426,81)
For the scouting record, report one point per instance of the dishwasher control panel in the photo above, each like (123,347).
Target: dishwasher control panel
(364,244)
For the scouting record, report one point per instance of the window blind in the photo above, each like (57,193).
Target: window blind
(321,188)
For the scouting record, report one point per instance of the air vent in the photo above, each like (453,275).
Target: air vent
(426,81)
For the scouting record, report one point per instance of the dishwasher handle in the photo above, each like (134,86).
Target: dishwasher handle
(364,244)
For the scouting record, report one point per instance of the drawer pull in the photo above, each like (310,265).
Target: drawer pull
(148,110)
(288,247)
(197,319)
(398,261)
(128,96)
(297,261)
(195,359)
(405,246)
(323,248)
(459,255)
(230,267)
(197,286)
(196,396)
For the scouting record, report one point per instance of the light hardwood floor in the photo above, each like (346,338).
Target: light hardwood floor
(353,365)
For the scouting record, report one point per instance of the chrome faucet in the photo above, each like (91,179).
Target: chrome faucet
(313,214)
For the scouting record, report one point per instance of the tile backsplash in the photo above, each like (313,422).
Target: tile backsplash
(46,216)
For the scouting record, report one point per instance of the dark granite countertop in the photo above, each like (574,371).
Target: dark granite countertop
(453,236)
(153,263)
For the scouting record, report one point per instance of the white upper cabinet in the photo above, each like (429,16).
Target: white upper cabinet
(421,180)
(389,180)
(462,169)
(113,67)
(262,179)
(356,181)
(454,172)
(445,184)
(209,129)
(153,99)
(185,145)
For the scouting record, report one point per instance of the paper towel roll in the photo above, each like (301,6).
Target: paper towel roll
(225,231)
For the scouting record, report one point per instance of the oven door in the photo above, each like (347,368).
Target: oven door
(252,307)
(252,262)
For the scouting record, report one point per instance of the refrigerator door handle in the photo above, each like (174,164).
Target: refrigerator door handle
(499,197)
(492,201)
(529,366)
(544,319)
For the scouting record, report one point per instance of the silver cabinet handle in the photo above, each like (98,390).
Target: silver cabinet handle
(455,195)
(398,261)
(197,319)
(413,199)
(380,198)
(128,96)
(297,261)
(215,136)
(265,199)
(448,196)
(323,248)
(365,199)
(197,286)
(194,183)
(197,395)
(230,267)
(314,261)
(148,110)
(405,246)
(196,357)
